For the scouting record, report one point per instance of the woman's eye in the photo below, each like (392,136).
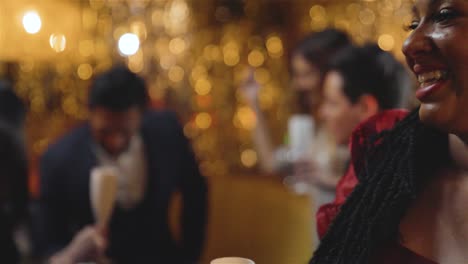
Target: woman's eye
(445,15)
(412,26)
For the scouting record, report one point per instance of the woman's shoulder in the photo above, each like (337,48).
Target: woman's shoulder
(370,128)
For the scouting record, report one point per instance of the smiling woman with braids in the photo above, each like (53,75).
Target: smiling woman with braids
(410,203)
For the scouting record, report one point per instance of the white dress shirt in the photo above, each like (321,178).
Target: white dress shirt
(131,172)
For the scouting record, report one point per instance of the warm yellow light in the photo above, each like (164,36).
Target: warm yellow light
(136,62)
(161,45)
(249,158)
(139,29)
(32,22)
(157,17)
(256,58)
(231,58)
(246,117)
(129,44)
(70,106)
(386,42)
(274,46)
(89,18)
(119,31)
(167,61)
(198,72)
(267,96)
(262,75)
(97,4)
(85,71)
(367,16)
(176,74)
(58,42)
(212,52)
(203,87)
(203,120)
(177,46)
(86,48)
(190,131)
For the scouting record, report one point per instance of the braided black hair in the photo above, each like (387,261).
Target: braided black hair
(398,163)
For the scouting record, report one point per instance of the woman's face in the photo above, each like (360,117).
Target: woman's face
(437,52)
(306,82)
(339,114)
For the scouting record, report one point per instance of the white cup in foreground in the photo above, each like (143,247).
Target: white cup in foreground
(232,260)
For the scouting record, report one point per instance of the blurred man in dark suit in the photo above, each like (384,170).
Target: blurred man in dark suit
(153,160)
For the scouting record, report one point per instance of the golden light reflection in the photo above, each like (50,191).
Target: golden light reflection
(177,46)
(203,120)
(119,31)
(367,16)
(204,101)
(167,61)
(176,73)
(129,44)
(136,62)
(198,72)
(32,22)
(97,4)
(139,29)
(231,58)
(70,106)
(274,46)
(318,17)
(386,42)
(190,131)
(203,87)
(86,48)
(85,71)
(58,42)
(246,117)
(249,158)
(231,53)
(157,17)
(215,53)
(262,75)
(256,58)
(89,18)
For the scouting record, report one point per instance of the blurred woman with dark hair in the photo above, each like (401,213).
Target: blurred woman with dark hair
(309,64)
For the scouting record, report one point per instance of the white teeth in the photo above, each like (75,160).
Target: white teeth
(432,76)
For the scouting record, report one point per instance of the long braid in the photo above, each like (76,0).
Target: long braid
(398,164)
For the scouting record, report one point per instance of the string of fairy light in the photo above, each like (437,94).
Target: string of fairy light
(194,55)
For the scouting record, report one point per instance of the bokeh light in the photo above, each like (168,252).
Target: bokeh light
(85,71)
(86,48)
(129,44)
(176,73)
(274,46)
(32,22)
(256,58)
(203,120)
(203,87)
(249,158)
(58,42)
(386,42)
(177,46)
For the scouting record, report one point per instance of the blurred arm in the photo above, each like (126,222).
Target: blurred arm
(261,137)
(50,214)
(194,197)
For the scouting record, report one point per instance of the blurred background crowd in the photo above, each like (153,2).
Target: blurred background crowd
(267,92)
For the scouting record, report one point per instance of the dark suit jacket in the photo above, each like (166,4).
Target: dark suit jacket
(142,234)
(13,190)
